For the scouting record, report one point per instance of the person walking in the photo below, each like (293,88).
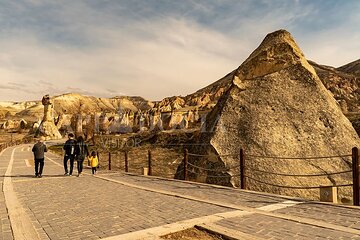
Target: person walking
(39,150)
(70,151)
(94,162)
(81,152)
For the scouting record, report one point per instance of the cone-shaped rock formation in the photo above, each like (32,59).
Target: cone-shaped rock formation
(277,106)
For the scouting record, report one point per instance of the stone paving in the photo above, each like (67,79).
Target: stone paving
(347,217)
(223,194)
(274,228)
(113,204)
(89,208)
(339,215)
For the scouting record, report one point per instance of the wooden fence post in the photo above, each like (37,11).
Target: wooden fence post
(242,169)
(356,182)
(126,162)
(109,160)
(186,159)
(149,163)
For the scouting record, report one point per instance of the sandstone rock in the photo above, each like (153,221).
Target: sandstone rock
(156,122)
(22,124)
(343,85)
(79,125)
(9,124)
(36,125)
(177,121)
(353,68)
(89,126)
(103,123)
(47,127)
(211,93)
(170,104)
(120,124)
(277,106)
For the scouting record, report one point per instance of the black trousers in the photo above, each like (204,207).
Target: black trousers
(66,159)
(80,165)
(38,171)
(93,170)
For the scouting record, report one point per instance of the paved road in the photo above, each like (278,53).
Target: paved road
(119,206)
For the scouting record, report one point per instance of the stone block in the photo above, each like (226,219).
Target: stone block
(328,194)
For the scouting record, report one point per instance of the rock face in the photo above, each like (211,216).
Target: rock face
(206,98)
(47,127)
(353,68)
(277,106)
(343,85)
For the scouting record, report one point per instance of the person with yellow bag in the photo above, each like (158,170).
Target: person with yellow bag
(94,162)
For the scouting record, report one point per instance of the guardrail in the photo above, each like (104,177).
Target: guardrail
(12,143)
(244,171)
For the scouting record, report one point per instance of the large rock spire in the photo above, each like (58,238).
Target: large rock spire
(277,106)
(47,127)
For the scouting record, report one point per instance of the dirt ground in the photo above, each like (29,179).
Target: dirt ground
(7,136)
(192,234)
(165,158)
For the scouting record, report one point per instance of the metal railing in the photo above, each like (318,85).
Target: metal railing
(245,171)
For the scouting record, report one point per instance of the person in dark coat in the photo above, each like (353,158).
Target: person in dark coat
(81,152)
(39,150)
(70,153)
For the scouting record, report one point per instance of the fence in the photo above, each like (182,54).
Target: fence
(154,161)
(244,171)
(11,144)
(242,168)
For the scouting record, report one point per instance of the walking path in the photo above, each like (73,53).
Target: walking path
(124,206)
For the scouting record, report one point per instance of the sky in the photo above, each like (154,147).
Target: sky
(156,48)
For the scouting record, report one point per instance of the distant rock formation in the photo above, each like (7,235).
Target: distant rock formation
(47,127)
(9,124)
(170,104)
(277,106)
(345,86)
(352,68)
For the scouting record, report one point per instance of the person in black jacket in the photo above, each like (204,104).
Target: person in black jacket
(39,150)
(70,152)
(81,152)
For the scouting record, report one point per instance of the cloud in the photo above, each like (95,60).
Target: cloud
(167,62)
(156,48)
(16,84)
(7,87)
(46,83)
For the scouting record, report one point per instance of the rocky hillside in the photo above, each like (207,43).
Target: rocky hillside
(351,68)
(208,96)
(344,85)
(70,104)
(342,82)
(10,109)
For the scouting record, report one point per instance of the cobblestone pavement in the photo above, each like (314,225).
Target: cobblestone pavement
(335,214)
(275,228)
(115,204)
(225,195)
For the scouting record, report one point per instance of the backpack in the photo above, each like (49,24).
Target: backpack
(82,150)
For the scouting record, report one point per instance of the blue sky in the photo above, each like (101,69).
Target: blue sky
(156,48)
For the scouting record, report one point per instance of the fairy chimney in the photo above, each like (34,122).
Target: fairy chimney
(277,106)
(47,126)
